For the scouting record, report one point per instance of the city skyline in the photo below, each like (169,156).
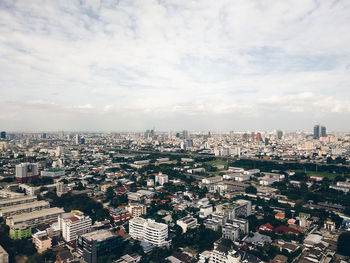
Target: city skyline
(224,65)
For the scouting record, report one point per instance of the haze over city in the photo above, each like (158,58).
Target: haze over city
(197,65)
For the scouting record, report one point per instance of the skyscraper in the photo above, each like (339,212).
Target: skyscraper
(279,134)
(317,131)
(3,135)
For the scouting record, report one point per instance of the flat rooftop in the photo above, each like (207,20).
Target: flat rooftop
(7,209)
(98,235)
(36,214)
(16,199)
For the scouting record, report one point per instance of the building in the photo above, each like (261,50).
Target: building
(4,256)
(119,214)
(35,218)
(222,254)
(279,134)
(23,208)
(187,222)
(26,171)
(161,179)
(230,231)
(316,131)
(17,201)
(20,232)
(240,208)
(134,258)
(212,180)
(52,173)
(97,243)
(73,223)
(319,131)
(136,209)
(41,241)
(149,231)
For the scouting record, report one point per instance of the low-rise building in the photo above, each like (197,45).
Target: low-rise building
(187,222)
(42,241)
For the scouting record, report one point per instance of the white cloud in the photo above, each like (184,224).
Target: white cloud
(154,62)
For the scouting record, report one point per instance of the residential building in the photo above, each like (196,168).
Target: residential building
(161,178)
(73,223)
(149,231)
(35,218)
(23,208)
(17,201)
(136,209)
(42,241)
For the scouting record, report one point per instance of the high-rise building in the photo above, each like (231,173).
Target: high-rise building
(279,134)
(3,135)
(26,171)
(317,131)
(97,243)
(149,231)
(73,223)
(185,135)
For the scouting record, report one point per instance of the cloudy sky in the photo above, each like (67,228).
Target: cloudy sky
(119,65)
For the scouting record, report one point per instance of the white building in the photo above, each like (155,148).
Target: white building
(187,222)
(212,180)
(52,173)
(72,224)
(161,179)
(149,231)
(26,171)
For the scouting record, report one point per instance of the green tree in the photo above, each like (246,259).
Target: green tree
(251,190)
(343,244)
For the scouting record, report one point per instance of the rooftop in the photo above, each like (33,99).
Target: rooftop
(98,235)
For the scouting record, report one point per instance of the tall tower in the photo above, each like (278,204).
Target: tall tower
(317,131)
(323,131)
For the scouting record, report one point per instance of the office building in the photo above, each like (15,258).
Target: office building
(3,135)
(4,256)
(323,131)
(72,224)
(26,172)
(97,243)
(319,131)
(23,208)
(149,231)
(279,134)
(161,179)
(35,218)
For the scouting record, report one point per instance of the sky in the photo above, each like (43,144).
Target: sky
(123,65)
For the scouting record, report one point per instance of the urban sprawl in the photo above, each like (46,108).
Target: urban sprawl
(178,197)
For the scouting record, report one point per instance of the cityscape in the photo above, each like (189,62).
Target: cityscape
(174,131)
